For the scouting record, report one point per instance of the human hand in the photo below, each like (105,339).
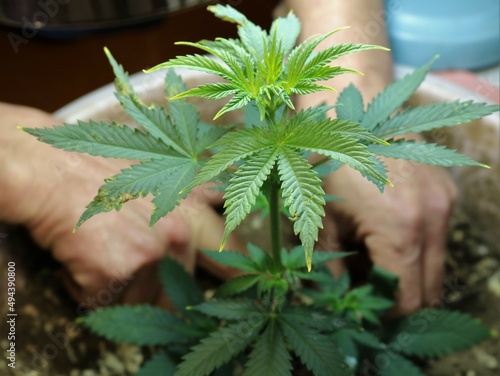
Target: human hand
(404,229)
(113,255)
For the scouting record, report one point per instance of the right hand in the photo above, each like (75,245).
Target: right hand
(113,254)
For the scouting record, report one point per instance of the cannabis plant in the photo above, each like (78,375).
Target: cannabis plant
(280,314)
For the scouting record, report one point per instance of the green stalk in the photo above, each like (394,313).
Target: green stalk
(275,219)
(273,197)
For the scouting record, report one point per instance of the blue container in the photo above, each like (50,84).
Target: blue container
(465,33)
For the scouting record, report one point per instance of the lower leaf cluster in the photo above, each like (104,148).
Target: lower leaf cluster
(269,322)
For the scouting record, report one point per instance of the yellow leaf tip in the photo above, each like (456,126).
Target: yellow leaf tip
(309,263)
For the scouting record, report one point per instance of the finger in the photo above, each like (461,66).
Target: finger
(438,208)
(207,229)
(180,240)
(433,266)
(404,260)
(144,286)
(329,241)
(210,193)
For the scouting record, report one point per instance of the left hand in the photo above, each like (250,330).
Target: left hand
(404,229)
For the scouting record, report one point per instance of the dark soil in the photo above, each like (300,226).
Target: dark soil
(49,343)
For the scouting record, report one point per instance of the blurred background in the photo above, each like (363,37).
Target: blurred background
(51,51)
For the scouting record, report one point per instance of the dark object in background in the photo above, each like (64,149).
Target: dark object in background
(70,15)
(49,73)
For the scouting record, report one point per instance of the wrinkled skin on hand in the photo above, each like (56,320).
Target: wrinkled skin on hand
(404,229)
(113,254)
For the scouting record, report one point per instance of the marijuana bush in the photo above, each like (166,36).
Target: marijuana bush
(269,320)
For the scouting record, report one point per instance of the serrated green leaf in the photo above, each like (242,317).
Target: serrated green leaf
(425,118)
(310,115)
(210,91)
(320,256)
(219,348)
(347,346)
(320,59)
(238,285)
(153,118)
(432,333)
(232,309)
(244,188)
(336,286)
(103,139)
(260,257)
(393,365)
(184,115)
(393,97)
(228,13)
(304,196)
(316,318)
(379,166)
(384,282)
(351,340)
(240,100)
(270,356)
(253,38)
(351,130)
(305,87)
(350,105)
(199,63)
(315,276)
(287,30)
(295,259)
(251,115)
(236,260)
(316,351)
(174,85)
(238,74)
(180,287)
(314,65)
(207,135)
(335,145)
(299,56)
(159,364)
(236,146)
(139,325)
(167,196)
(424,153)
(161,176)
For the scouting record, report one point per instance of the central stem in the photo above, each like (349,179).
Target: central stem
(274,216)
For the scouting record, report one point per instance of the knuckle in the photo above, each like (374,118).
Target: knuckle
(410,219)
(441,204)
(411,304)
